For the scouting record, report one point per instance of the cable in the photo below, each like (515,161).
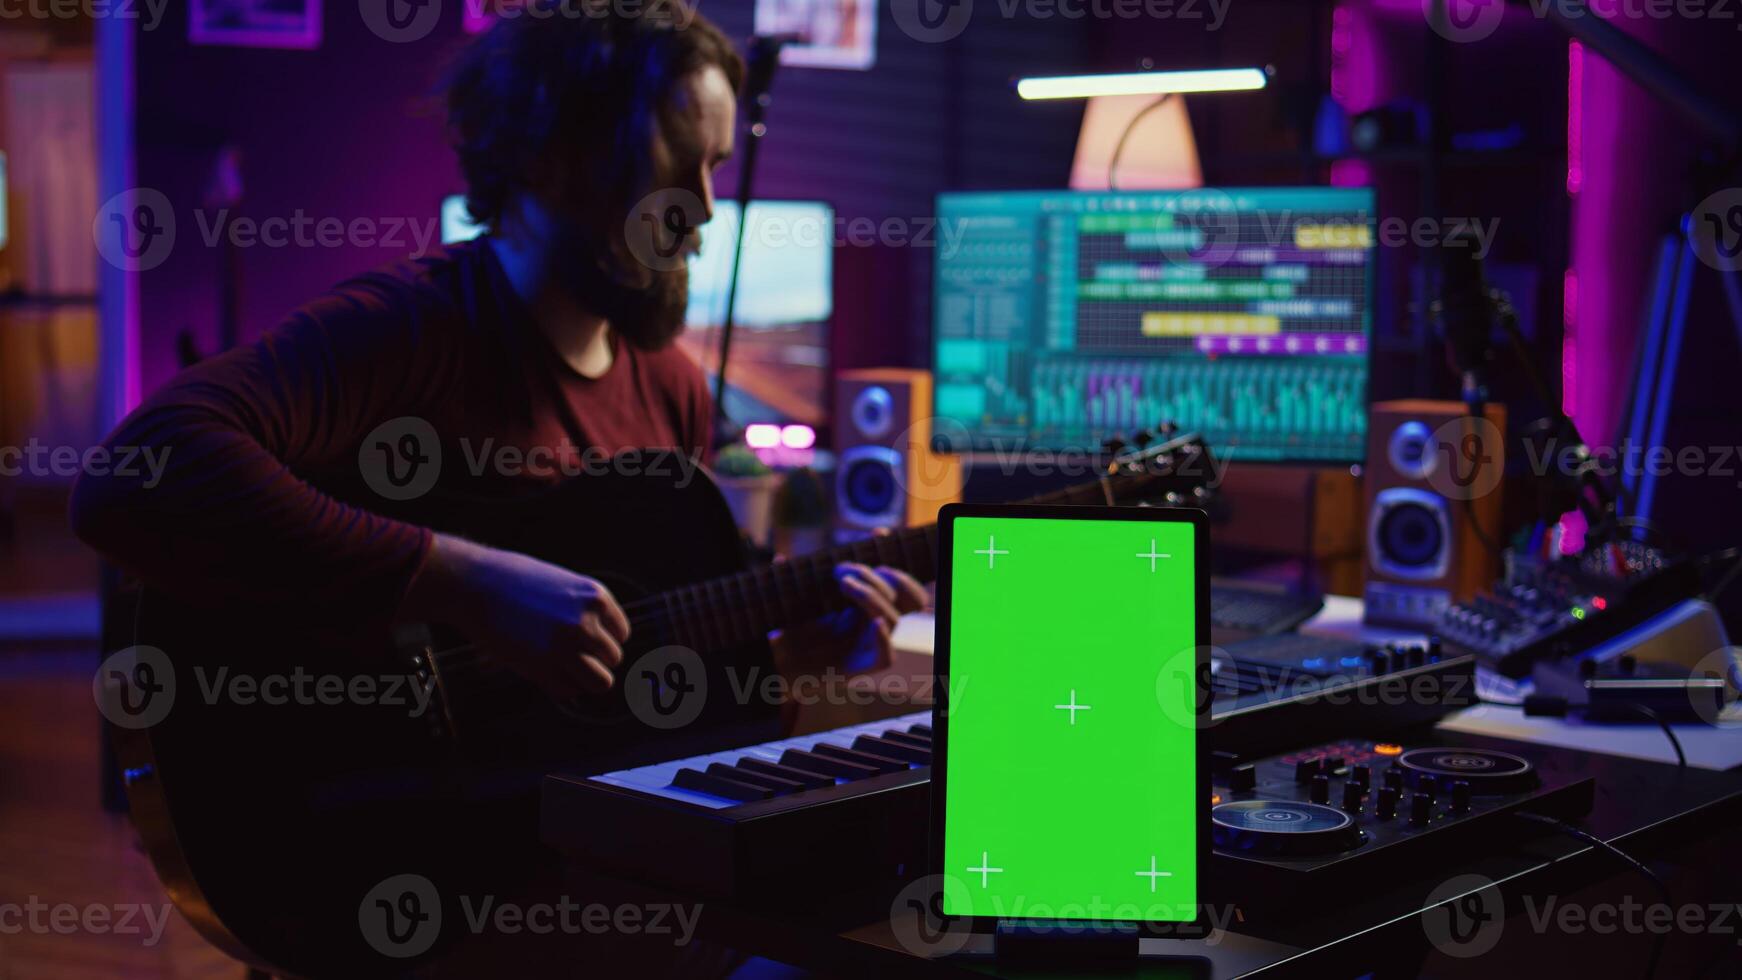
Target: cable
(1471,415)
(1681,758)
(1549,706)
(1475,525)
(1662,889)
(1723,583)
(1125,137)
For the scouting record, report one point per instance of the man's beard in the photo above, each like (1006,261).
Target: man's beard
(648,315)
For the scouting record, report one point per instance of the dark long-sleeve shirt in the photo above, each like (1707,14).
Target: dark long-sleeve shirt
(256,441)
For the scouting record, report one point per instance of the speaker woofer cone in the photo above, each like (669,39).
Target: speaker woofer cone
(868,491)
(1410,534)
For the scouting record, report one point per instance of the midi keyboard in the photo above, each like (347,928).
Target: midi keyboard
(814,811)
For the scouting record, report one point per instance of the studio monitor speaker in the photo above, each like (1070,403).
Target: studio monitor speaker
(886,474)
(1433,483)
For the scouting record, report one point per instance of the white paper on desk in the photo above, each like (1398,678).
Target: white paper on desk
(915,633)
(1707,747)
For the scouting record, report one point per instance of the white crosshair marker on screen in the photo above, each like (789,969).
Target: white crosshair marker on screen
(1153,874)
(985,869)
(1153,554)
(1073,707)
(991,551)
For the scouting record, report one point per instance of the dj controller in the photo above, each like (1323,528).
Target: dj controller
(1332,814)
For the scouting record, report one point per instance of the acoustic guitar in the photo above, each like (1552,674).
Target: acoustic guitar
(281,765)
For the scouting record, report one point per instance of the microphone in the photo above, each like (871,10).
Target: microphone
(1465,315)
(764,57)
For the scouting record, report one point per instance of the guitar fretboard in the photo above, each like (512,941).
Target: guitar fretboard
(727,612)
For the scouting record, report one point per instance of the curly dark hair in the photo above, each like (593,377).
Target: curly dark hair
(567,90)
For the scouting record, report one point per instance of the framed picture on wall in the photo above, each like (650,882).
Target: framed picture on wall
(255,23)
(836,33)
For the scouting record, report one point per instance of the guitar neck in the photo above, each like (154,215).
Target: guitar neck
(727,612)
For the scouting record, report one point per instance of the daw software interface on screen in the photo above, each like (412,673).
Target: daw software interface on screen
(1070,787)
(1062,319)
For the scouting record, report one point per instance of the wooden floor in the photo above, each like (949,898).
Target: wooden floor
(58,847)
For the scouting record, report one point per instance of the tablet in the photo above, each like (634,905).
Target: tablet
(1070,777)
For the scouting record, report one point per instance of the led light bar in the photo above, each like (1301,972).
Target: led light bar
(1142,83)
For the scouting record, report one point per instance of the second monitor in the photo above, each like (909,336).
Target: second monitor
(1061,319)
(780,348)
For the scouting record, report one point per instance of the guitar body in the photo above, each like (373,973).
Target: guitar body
(301,765)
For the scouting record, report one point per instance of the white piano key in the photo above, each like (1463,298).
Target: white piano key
(656,778)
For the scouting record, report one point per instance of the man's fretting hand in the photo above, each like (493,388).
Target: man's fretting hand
(857,639)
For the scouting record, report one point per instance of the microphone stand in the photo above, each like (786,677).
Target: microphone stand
(1663,80)
(1591,494)
(759,80)
(1584,488)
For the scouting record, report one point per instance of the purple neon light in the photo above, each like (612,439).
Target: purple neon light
(1354,82)
(1575,116)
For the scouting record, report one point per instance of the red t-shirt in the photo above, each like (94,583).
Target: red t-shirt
(254,442)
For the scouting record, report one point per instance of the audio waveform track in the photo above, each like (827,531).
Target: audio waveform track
(1253,409)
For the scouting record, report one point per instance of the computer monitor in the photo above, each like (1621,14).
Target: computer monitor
(1062,319)
(780,343)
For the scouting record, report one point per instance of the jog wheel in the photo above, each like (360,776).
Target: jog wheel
(1488,772)
(1282,828)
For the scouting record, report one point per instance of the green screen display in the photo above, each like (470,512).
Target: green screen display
(1071,765)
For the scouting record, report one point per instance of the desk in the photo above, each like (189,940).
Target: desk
(1678,819)
(1707,747)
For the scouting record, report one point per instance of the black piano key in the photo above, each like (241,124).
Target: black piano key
(811,762)
(731,789)
(809,780)
(920,730)
(780,786)
(907,738)
(892,749)
(881,763)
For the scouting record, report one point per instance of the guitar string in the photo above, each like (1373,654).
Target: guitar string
(695,601)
